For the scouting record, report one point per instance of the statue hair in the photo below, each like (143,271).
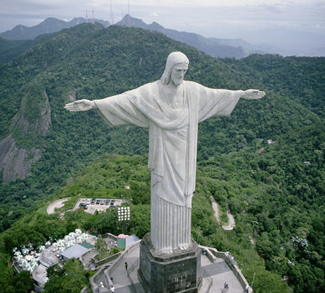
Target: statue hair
(173,59)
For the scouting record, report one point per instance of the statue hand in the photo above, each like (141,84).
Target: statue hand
(253,94)
(80,105)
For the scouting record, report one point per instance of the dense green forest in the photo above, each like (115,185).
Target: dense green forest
(299,78)
(276,194)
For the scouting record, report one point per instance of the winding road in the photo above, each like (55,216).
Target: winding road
(231,219)
(56,205)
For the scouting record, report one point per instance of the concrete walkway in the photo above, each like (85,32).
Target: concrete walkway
(218,271)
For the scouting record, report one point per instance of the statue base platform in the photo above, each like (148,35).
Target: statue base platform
(179,271)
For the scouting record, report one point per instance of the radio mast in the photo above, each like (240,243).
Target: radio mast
(112,14)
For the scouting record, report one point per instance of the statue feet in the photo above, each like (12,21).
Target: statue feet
(167,250)
(184,246)
(170,250)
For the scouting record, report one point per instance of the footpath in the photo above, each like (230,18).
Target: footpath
(231,219)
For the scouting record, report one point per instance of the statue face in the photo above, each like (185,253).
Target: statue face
(178,73)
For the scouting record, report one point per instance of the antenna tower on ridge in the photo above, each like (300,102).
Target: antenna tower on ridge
(129,21)
(112,14)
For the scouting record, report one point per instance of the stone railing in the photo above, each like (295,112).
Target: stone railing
(94,283)
(105,260)
(109,235)
(126,252)
(213,254)
(107,269)
(229,259)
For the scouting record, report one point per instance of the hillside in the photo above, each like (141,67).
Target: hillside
(21,38)
(48,26)
(218,48)
(275,195)
(299,78)
(11,49)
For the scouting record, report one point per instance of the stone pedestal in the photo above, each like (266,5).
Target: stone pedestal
(178,271)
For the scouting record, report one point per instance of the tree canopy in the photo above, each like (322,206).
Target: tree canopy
(275,191)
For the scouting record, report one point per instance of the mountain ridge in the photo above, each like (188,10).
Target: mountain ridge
(214,47)
(219,48)
(49,25)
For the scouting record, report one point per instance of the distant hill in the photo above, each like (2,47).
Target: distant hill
(49,25)
(212,46)
(219,48)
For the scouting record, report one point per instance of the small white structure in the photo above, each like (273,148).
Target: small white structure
(78,231)
(41,248)
(60,242)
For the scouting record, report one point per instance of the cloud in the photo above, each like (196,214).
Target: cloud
(154,14)
(210,18)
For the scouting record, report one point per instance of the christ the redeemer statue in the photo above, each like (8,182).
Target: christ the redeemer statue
(171,108)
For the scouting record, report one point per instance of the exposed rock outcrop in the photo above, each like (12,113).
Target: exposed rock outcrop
(16,162)
(32,120)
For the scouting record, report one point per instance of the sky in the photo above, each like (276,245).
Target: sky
(294,22)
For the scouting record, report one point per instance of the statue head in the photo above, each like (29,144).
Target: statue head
(174,58)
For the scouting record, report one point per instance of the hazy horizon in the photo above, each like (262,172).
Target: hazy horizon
(296,24)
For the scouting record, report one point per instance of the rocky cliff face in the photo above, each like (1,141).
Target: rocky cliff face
(16,162)
(18,150)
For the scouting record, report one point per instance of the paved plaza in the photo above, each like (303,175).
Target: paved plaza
(217,271)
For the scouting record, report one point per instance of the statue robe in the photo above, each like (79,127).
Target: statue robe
(173,128)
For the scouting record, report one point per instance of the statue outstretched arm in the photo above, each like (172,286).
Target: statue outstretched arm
(252,94)
(80,105)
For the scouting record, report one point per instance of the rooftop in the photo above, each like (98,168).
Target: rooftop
(75,251)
